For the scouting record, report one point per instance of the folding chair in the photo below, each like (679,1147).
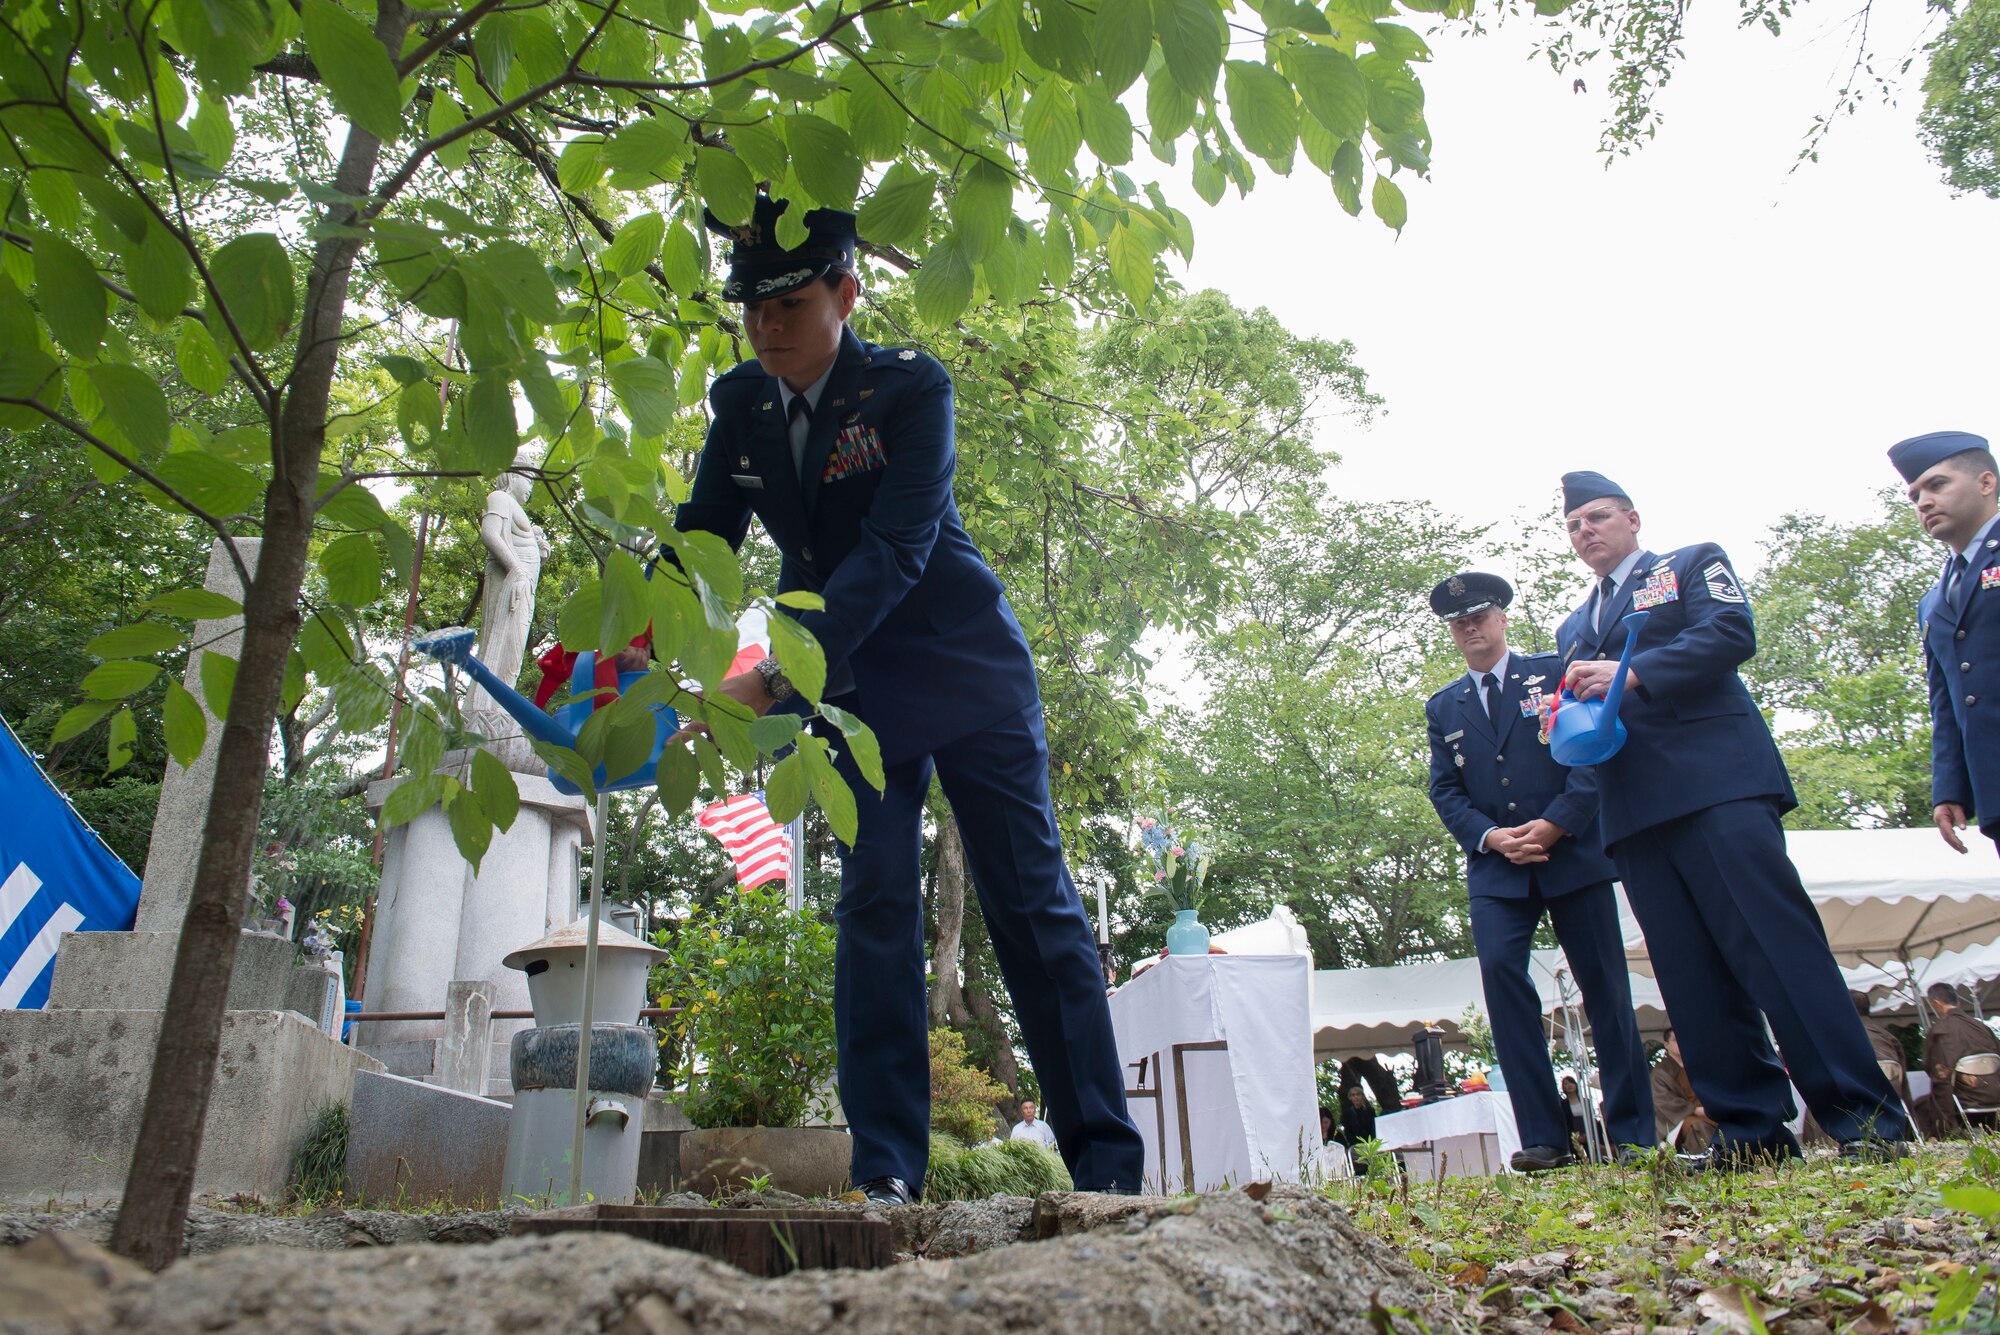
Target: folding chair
(1977,1064)
(1893,1073)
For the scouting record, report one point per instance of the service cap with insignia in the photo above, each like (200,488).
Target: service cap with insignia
(760,268)
(1469,592)
(1580,489)
(1919,454)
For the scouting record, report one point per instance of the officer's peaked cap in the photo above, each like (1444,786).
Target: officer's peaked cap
(1580,489)
(759,267)
(1919,454)
(1468,592)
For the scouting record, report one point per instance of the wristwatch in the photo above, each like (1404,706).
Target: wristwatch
(775,682)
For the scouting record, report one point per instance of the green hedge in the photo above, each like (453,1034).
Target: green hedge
(1006,1168)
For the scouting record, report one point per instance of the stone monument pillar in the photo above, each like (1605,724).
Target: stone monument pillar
(73,1077)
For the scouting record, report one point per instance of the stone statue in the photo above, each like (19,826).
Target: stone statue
(514,552)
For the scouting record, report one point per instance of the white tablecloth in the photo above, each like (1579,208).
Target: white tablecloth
(1252,1109)
(1473,1135)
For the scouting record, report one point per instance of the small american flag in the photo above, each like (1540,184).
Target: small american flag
(759,846)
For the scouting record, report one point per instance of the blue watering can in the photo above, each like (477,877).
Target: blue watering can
(1589,732)
(454,645)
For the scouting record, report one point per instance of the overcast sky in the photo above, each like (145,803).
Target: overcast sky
(1725,337)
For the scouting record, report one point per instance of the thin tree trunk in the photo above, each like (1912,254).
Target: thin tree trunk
(152,1215)
(947,998)
(985,1016)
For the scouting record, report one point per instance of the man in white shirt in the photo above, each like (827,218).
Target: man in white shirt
(1032,1128)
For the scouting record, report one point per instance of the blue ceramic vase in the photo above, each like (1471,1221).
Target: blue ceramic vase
(1187,936)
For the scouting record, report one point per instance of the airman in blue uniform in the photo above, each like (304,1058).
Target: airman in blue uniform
(1953,484)
(1689,811)
(1528,827)
(844,451)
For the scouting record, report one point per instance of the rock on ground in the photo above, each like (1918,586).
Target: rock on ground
(210,1230)
(1291,1263)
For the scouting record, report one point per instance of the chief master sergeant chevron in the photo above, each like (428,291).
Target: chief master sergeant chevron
(844,451)
(1689,810)
(1529,830)
(1953,484)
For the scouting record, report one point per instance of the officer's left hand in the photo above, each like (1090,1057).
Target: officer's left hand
(1543,833)
(1590,679)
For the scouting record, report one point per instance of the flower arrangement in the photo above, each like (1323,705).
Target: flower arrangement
(1180,865)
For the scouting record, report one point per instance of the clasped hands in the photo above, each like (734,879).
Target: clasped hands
(1524,845)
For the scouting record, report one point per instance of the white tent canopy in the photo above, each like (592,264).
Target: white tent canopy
(1885,896)
(1361,1011)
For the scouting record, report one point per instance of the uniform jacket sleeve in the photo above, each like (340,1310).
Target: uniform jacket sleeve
(1575,807)
(715,504)
(1951,780)
(1454,806)
(902,523)
(1718,637)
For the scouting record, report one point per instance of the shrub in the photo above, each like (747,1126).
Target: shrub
(753,1044)
(1010,1168)
(319,1167)
(964,1099)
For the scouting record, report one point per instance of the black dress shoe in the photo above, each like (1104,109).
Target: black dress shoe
(886,1191)
(1633,1156)
(1872,1150)
(1540,1158)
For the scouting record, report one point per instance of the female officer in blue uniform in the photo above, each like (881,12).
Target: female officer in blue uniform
(1689,811)
(1956,490)
(844,451)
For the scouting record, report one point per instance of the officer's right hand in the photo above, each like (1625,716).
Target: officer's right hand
(1951,818)
(1516,846)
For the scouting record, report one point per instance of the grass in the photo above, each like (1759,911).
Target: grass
(1820,1245)
(319,1168)
(1009,1168)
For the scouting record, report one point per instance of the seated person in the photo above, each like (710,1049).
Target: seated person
(1888,1048)
(1675,1104)
(1954,1036)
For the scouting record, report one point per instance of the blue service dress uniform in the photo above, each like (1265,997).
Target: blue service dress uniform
(1962,669)
(921,644)
(1689,810)
(1485,775)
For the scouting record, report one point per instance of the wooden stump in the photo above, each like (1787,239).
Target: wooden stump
(758,1242)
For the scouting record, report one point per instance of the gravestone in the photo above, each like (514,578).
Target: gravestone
(73,1077)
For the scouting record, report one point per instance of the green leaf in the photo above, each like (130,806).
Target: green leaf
(823,159)
(490,426)
(412,798)
(900,207)
(581,165)
(805,599)
(762,147)
(186,726)
(522,279)
(201,363)
(785,792)
(355,68)
(79,719)
(649,147)
(1395,98)
(861,743)
(353,570)
(1263,110)
(981,206)
(1059,41)
(215,484)
(1389,204)
(134,405)
(1191,39)
(636,245)
(194,604)
(1124,39)
(703,652)
(445,116)
(1346,176)
(1330,85)
(774,732)
(118,746)
(708,556)
(943,287)
(568,764)
(625,606)
(54,193)
(254,276)
(161,273)
(353,507)
(835,798)
(1107,126)
(729,724)
(118,679)
(1131,263)
(71,298)
(800,656)
(499,794)
(678,778)
(578,623)
(725,185)
(405,370)
(137,640)
(645,386)
(680,259)
(218,682)
(1052,132)
(1973,1199)
(418,410)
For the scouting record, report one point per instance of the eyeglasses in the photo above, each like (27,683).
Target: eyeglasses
(1596,519)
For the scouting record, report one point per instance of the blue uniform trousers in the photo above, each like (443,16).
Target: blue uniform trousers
(1731,933)
(1586,924)
(997,782)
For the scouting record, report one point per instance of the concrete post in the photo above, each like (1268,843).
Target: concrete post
(464,1047)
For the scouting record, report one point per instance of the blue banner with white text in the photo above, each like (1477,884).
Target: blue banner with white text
(56,876)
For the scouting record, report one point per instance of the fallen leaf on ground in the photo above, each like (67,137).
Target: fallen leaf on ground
(1471,1275)
(1888,1279)
(1582,1217)
(1257,1191)
(1731,1307)
(1874,1319)
(1564,1319)
(1944,1267)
